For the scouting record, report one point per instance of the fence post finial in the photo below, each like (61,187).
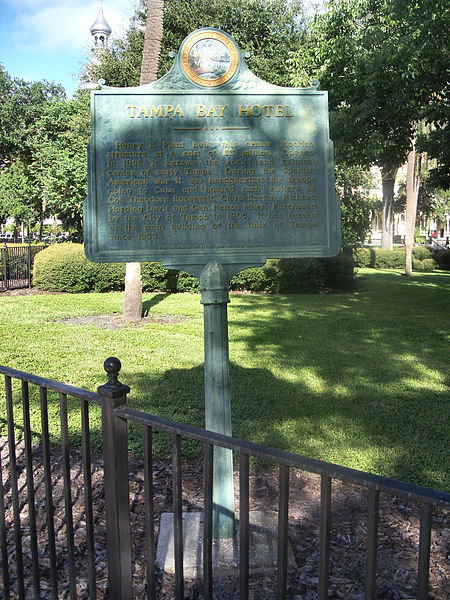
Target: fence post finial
(113,388)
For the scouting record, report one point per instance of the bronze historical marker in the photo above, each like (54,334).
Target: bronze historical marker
(210,163)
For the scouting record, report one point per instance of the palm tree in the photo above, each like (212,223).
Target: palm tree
(412,194)
(149,72)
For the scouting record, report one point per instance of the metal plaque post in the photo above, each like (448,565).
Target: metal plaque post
(214,287)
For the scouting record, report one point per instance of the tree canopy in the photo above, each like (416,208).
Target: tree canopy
(269,29)
(43,142)
(384,66)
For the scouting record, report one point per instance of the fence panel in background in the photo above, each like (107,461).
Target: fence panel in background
(16,264)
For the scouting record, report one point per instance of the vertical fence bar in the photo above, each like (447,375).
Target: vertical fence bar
(117,496)
(67,495)
(14,266)
(3,538)
(149,512)
(244,533)
(14,487)
(177,517)
(283,533)
(324,542)
(29,263)
(48,493)
(373,497)
(87,478)
(5,266)
(426,519)
(207,521)
(30,488)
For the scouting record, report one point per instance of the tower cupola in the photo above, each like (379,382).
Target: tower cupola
(100,29)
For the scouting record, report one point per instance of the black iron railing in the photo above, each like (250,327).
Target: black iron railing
(16,264)
(116,417)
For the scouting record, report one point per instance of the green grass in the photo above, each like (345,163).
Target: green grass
(359,379)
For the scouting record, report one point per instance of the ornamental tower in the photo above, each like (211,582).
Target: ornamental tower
(100,29)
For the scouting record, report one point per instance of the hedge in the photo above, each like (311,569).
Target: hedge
(443,259)
(379,258)
(65,268)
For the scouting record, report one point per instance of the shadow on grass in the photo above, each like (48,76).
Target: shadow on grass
(385,436)
(147,305)
(339,378)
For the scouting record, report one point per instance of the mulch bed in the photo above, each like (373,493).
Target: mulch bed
(117,321)
(398,533)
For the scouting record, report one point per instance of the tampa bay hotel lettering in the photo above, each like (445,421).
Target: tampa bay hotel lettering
(168,111)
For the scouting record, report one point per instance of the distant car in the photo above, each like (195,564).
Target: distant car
(7,237)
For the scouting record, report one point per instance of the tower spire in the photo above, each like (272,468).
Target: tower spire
(100,29)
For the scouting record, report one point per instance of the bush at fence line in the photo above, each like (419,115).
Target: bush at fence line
(65,268)
(154,277)
(379,258)
(443,259)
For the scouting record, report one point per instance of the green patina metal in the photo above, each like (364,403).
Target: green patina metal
(214,288)
(188,174)
(211,170)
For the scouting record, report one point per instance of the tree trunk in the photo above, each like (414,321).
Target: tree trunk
(132,306)
(388,174)
(412,193)
(152,41)
(149,73)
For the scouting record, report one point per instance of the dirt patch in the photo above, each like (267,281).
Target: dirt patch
(118,322)
(29,292)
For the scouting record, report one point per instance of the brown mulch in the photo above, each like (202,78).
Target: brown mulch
(398,533)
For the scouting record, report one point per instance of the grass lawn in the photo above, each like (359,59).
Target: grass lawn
(359,379)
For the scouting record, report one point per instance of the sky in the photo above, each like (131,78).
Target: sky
(51,39)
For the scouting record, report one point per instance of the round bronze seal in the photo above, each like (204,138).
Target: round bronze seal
(209,58)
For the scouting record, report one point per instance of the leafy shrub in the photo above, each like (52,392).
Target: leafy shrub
(363,257)
(185,282)
(65,268)
(379,258)
(257,279)
(107,277)
(421,252)
(427,264)
(443,259)
(297,275)
(154,277)
(301,275)
(338,271)
(390,259)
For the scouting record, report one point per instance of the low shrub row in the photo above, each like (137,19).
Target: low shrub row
(378,258)
(65,268)
(443,259)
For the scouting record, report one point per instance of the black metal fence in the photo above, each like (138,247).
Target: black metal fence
(15,266)
(44,533)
